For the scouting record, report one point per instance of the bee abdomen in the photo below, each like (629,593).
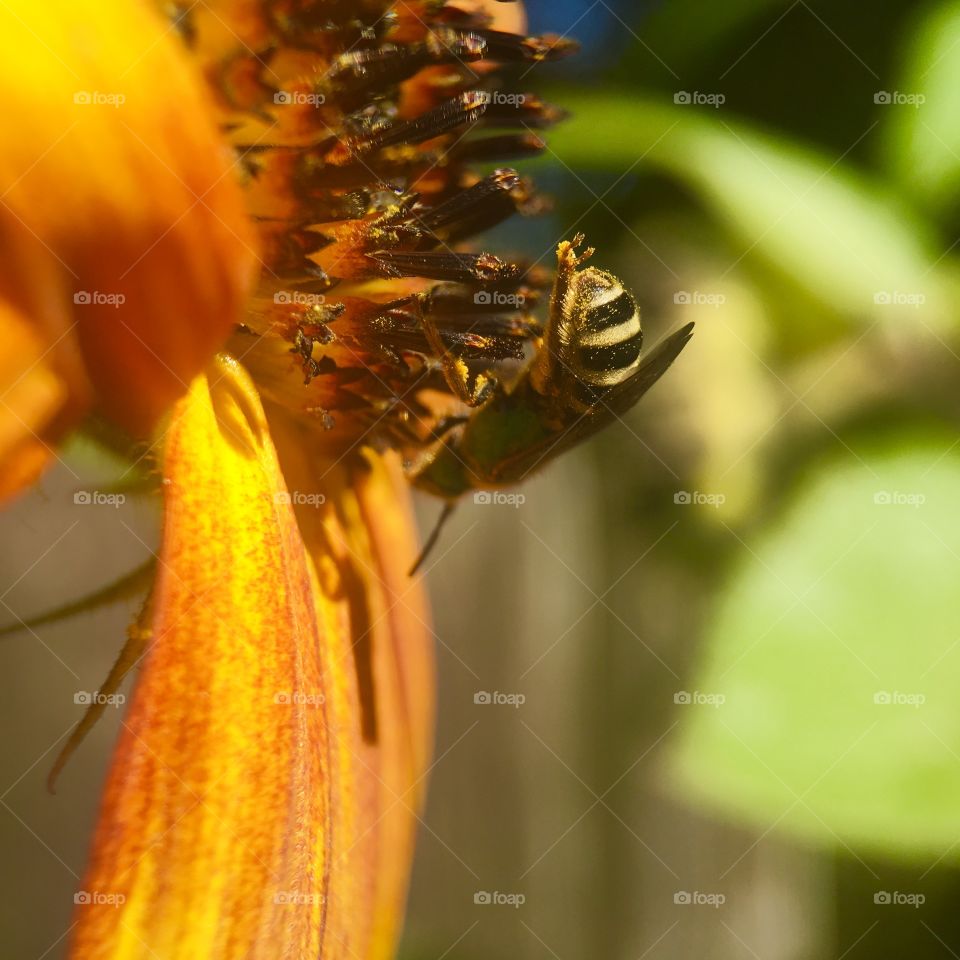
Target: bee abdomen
(610,339)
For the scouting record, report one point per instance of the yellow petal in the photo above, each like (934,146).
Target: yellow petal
(236,826)
(120,220)
(213,835)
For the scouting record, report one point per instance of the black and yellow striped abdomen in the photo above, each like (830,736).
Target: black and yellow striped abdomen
(605,336)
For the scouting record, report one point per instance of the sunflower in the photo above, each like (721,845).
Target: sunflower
(237,239)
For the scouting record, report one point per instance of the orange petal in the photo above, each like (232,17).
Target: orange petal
(31,394)
(358,528)
(402,642)
(120,219)
(213,836)
(236,826)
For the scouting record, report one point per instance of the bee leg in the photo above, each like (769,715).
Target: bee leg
(455,370)
(442,428)
(547,374)
(431,541)
(138,638)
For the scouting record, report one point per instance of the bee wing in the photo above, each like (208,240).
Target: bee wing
(621,398)
(617,401)
(653,366)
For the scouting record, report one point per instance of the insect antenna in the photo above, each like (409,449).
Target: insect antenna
(431,541)
(138,638)
(131,584)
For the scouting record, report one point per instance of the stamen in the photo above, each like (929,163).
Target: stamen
(482,268)
(477,208)
(511,47)
(357,73)
(462,109)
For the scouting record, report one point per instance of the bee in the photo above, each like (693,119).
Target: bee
(588,370)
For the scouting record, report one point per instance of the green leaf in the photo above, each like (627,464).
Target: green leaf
(844,238)
(923,139)
(836,649)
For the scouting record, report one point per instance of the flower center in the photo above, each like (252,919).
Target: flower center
(356,127)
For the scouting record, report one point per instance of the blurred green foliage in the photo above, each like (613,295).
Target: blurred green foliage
(825,224)
(836,650)
(825,241)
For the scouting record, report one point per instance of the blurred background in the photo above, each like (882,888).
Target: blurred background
(700,689)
